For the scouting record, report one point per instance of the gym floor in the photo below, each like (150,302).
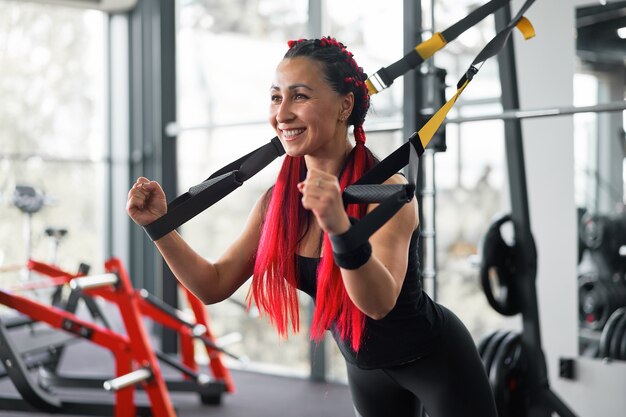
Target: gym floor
(258,395)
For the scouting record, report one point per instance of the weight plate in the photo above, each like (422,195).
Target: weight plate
(593,302)
(506,377)
(607,332)
(622,347)
(482,344)
(498,263)
(618,335)
(492,348)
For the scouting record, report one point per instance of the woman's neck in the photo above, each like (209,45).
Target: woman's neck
(330,163)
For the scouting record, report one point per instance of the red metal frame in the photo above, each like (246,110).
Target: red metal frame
(55,277)
(131,352)
(187,346)
(215,361)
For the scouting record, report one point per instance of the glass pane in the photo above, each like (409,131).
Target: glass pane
(372,31)
(471,190)
(599,195)
(52,81)
(227,54)
(470,176)
(599,155)
(457,56)
(52,132)
(585,139)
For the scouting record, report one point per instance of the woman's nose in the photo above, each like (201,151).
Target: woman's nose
(284,112)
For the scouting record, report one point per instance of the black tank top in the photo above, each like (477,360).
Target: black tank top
(408,332)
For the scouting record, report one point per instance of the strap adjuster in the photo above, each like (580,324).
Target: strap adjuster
(377,81)
(467,76)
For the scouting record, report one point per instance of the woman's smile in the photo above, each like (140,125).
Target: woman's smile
(292,134)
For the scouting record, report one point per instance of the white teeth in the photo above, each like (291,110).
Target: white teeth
(293,132)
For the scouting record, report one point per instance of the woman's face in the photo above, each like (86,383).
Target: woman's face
(305,111)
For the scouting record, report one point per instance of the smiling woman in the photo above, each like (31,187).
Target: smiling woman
(400,347)
(301,105)
(222,113)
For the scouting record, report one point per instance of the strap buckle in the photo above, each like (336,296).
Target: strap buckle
(377,81)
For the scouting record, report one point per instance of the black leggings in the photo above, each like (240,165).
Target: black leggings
(450,382)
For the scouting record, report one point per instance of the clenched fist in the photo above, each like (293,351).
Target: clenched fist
(146,201)
(322,195)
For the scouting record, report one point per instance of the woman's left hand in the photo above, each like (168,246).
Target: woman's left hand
(322,195)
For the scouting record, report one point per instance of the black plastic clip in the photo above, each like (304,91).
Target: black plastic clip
(467,76)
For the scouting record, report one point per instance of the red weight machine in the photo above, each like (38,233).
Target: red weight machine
(209,389)
(135,361)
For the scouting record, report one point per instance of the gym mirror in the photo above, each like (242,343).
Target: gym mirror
(599,181)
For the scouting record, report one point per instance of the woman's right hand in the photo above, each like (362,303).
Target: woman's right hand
(146,201)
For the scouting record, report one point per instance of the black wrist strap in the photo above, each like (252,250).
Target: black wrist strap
(355,258)
(346,256)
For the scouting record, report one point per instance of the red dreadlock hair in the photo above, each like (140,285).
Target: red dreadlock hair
(275,277)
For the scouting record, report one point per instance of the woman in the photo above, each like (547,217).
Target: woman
(400,347)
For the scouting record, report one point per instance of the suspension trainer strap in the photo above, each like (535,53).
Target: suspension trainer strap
(384,77)
(368,189)
(213,189)
(391,197)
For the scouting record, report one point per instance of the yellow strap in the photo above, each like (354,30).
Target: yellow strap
(427,131)
(427,48)
(526,28)
(370,87)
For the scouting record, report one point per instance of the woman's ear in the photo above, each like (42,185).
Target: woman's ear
(347,104)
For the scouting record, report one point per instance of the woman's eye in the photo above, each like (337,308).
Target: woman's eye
(275,99)
(300,96)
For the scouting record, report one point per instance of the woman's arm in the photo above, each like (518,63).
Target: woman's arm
(210,282)
(373,287)
(213,282)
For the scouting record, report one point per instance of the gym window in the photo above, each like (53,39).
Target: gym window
(53,130)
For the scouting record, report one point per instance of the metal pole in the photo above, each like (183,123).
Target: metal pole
(547,112)
(542,401)
(317,350)
(413,92)
(537,375)
(172,129)
(153,79)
